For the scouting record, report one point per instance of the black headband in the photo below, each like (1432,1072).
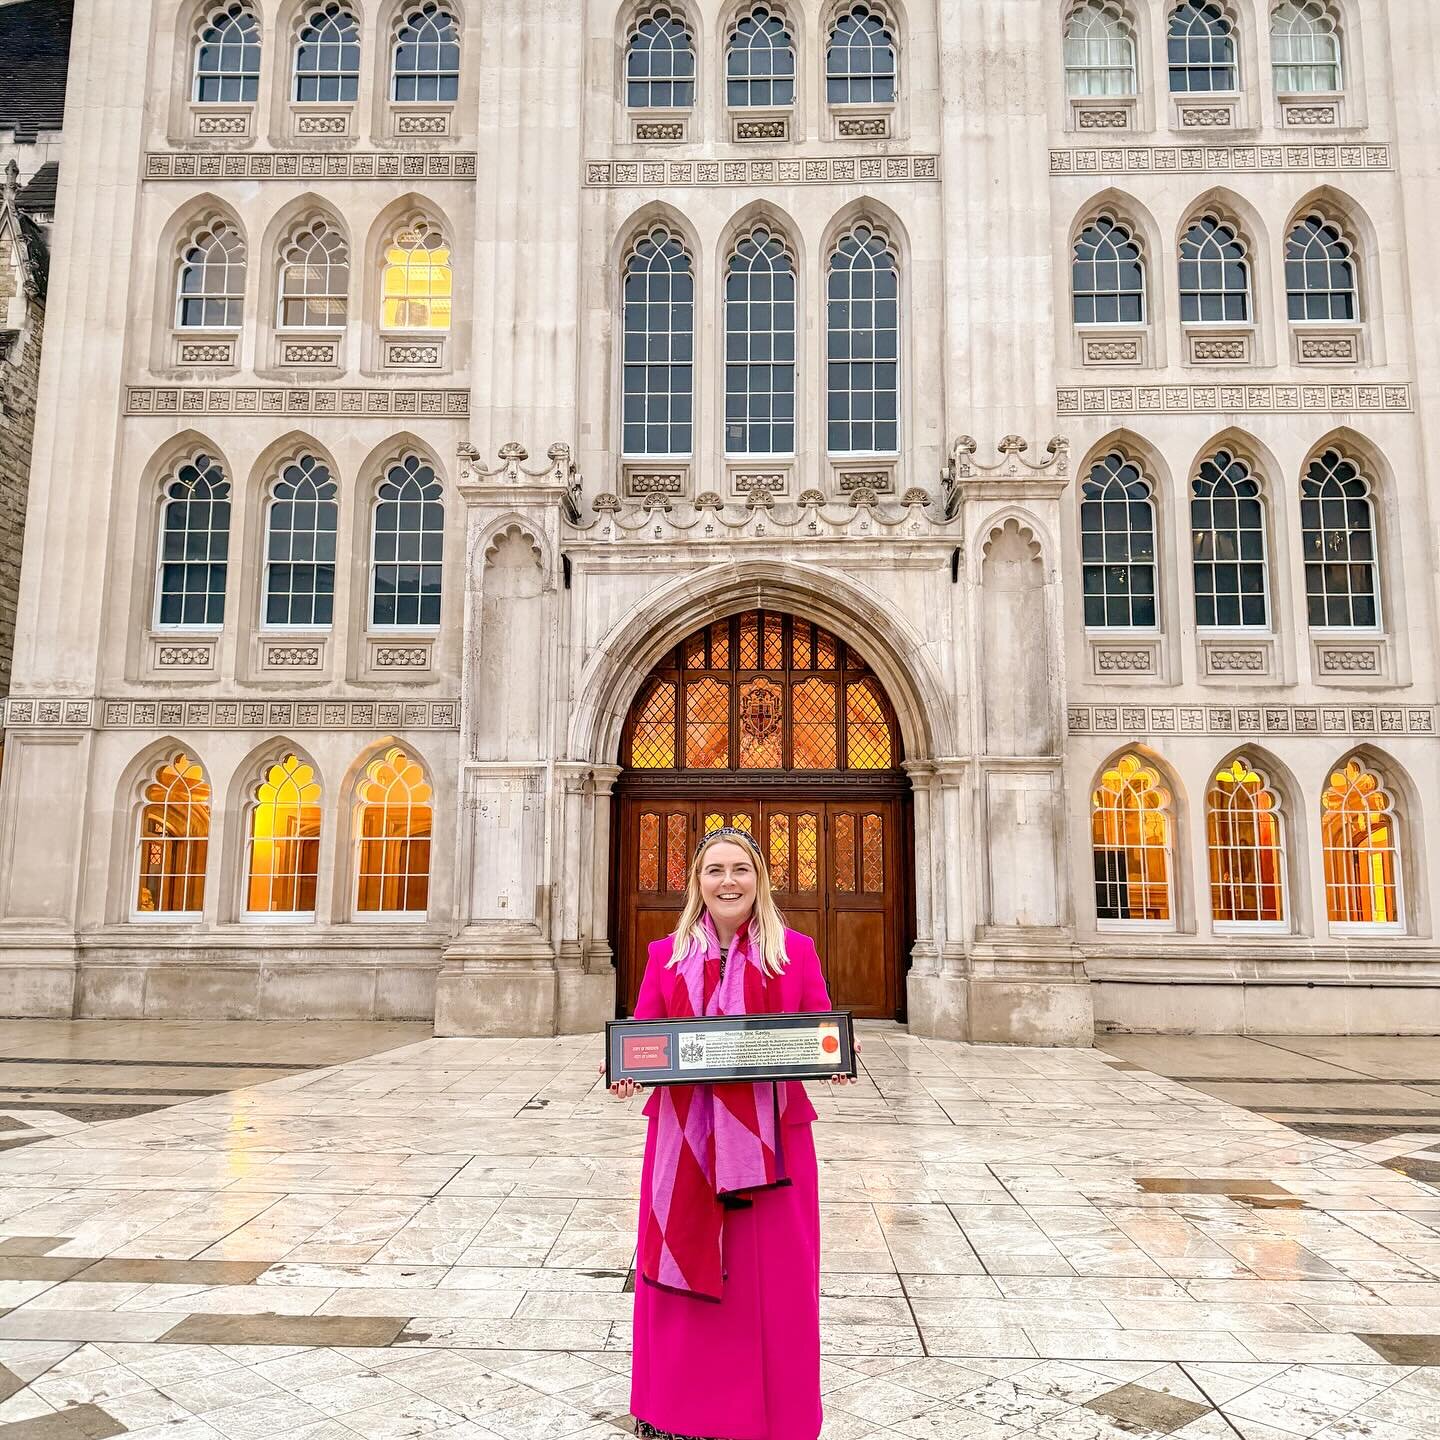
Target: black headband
(730,832)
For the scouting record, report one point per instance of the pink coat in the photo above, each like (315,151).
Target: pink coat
(747,1368)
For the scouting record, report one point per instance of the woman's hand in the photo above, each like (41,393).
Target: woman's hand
(843,1079)
(624,1089)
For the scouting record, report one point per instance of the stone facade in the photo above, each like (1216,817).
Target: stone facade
(955,562)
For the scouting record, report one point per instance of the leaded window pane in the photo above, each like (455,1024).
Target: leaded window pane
(1245,839)
(300,530)
(658,343)
(427,57)
(1099,51)
(1214,275)
(1305,49)
(315,279)
(417,285)
(227,58)
(1320,273)
(327,57)
(863,346)
(1131,823)
(393,823)
(1227,523)
(174,839)
(860,64)
(1108,275)
(194,546)
(1337,526)
(283,841)
(660,64)
(1360,834)
(1201,50)
(210,292)
(1117,539)
(760,348)
(760,62)
(407,547)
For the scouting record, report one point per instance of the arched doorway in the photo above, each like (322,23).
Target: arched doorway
(766,721)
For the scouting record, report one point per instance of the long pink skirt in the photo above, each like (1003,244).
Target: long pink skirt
(747,1368)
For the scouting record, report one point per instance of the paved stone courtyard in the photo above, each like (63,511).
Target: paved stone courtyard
(321,1232)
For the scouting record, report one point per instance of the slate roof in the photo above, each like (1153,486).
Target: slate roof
(34,56)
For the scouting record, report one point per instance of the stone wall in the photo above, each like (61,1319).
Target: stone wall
(19,382)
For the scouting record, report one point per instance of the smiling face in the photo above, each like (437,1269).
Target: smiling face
(727,883)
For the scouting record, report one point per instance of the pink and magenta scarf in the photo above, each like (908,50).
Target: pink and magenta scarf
(715,1144)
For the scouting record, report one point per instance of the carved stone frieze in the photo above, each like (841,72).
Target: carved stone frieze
(308,165)
(1227,720)
(774,129)
(670,174)
(140,713)
(294,400)
(1207,117)
(1317,115)
(1258,399)
(1217,159)
(862,127)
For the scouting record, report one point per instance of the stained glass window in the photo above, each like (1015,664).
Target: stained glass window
(807,854)
(1130,831)
(393,822)
(1362,848)
(649,852)
(780,852)
(1246,844)
(872,854)
(677,853)
(174,839)
(762,691)
(842,853)
(283,841)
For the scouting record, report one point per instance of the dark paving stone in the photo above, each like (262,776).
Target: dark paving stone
(1405,1349)
(175,1272)
(42,1267)
(1232,1188)
(85,1113)
(357,1330)
(183,1064)
(32,1244)
(112,1090)
(1360,1134)
(1271,1202)
(1415,1168)
(9,1122)
(14,1142)
(79,1422)
(10,1383)
(1135,1406)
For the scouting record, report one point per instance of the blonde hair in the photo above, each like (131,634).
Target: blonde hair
(767,925)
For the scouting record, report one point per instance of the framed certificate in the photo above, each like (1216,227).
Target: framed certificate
(713,1049)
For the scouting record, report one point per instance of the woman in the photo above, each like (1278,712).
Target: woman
(727,1293)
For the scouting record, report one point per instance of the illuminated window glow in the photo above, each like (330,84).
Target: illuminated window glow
(174,839)
(393,824)
(1246,843)
(1130,830)
(283,842)
(418,283)
(1361,839)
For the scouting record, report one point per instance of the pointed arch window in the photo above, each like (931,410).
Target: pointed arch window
(1360,834)
(658,362)
(1108,275)
(760,62)
(1214,274)
(417,286)
(407,549)
(860,59)
(393,821)
(300,527)
(1201,50)
(194,547)
(863,345)
(327,57)
(174,840)
(1131,822)
(1227,525)
(227,58)
(1246,841)
(1305,49)
(282,842)
(1117,539)
(210,291)
(426,63)
(660,63)
(1099,50)
(315,279)
(1337,525)
(1320,273)
(760,347)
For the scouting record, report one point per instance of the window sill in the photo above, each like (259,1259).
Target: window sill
(1103,112)
(322,119)
(204,348)
(309,348)
(1321,342)
(1360,931)
(267,918)
(1312,110)
(1126,657)
(760,122)
(222,119)
(421,119)
(1252,927)
(400,654)
(1136,927)
(659,127)
(862,122)
(190,653)
(424,350)
(155,917)
(289,652)
(1120,344)
(1224,343)
(1236,654)
(1207,110)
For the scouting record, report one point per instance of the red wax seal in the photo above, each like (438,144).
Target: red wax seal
(830,1044)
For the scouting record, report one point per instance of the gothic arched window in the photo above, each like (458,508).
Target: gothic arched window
(1360,835)
(327,57)
(210,291)
(282,841)
(660,63)
(1305,49)
(862,320)
(174,839)
(1227,526)
(227,58)
(407,548)
(393,819)
(427,56)
(1108,275)
(1214,274)
(760,347)
(658,339)
(300,526)
(1131,821)
(1201,49)
(1099,50)
(194,547)
(417,285)
(1320,272)
(315,279)
(1117,542)
(760,61)
(1337,527)
(1246,843)
(860,66)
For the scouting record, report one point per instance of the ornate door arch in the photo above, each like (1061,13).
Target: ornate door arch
(767,721)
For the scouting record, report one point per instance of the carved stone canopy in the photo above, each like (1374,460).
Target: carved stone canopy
(556,482)
(1012,476)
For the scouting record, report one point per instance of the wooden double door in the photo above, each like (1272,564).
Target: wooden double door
(839,868)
